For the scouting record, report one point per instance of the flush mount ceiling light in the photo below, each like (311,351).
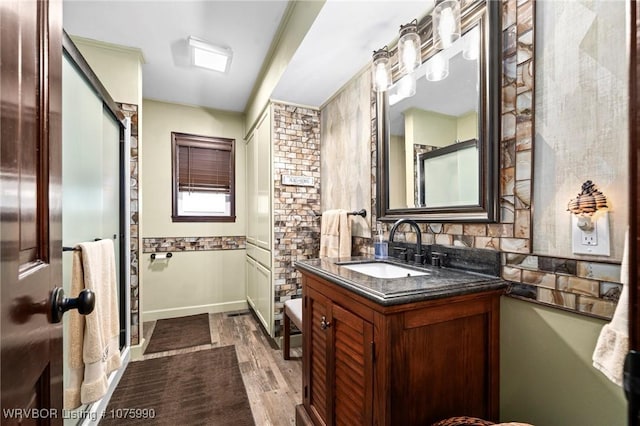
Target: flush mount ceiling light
(208,56)
(446,23)
(409,47)
(381,70)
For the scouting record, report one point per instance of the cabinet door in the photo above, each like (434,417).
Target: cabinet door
(263,183)
(263,303)
(338,357)
(316,316)
(352,368)
(251,282)
(251,176)
(445,361)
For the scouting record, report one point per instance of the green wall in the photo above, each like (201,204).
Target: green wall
(546,376)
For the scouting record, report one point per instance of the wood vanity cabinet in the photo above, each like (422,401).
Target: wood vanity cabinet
(409,364)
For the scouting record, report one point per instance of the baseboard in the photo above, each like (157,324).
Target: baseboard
(137,351)
(213,308)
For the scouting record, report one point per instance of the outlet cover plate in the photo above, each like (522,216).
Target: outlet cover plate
(596,242)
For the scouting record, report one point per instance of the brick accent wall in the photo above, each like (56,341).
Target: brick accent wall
(296,151)
(131,111)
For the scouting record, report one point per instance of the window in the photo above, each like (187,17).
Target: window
(203,178)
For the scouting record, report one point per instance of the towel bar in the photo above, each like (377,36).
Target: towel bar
(67,248)
(362,213)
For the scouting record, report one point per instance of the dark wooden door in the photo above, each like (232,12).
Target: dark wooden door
(30,209)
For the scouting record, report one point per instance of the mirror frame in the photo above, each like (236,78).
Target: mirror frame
(487,14)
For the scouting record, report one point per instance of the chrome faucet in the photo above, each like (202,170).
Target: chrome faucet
(417,257)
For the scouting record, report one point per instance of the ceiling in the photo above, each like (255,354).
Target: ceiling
(338,45)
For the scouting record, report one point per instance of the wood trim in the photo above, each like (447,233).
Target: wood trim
(634,173)
(83,66)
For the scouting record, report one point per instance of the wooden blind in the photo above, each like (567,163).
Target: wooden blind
(204,168)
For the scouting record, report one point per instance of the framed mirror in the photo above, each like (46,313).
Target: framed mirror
(439,130)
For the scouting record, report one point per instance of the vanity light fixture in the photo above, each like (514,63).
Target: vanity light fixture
(381,70)
(446,23)
(409,57)
(590,221)
(208,56)
(437,67)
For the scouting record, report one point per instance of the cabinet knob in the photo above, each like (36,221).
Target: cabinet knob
(324,324)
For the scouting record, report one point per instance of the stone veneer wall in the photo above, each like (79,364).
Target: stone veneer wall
(131,111)
(584,287)
(296,151)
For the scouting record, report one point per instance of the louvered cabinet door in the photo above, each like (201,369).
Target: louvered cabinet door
(316,350)
(352,366)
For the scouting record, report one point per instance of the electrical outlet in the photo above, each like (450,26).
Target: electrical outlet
(595,242)
(590,238)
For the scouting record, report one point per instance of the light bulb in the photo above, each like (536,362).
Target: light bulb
(437,68)
(409,55)
(446,23)
(381,76)
(407,86)
(409,44)
(447,27)
(472,48)
(381,70)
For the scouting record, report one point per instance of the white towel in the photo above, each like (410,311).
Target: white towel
(335,234)
(93,339)
(613,342)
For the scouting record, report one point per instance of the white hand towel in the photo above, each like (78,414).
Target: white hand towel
(335,234)
(93,339)
(613,342)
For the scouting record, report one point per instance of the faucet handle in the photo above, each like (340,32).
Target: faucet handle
(436,258)
(403,253)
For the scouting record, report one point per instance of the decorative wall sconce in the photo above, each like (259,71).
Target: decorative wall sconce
(381,70)
(446,23)
(590,221)
(409,56)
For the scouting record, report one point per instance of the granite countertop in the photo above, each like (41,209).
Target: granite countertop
(439,283)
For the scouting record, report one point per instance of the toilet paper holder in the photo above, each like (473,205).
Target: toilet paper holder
(160,256)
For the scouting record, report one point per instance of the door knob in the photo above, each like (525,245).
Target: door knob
(323,323)
(59,304)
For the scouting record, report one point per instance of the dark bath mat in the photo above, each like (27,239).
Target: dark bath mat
(177,333)
(196,388)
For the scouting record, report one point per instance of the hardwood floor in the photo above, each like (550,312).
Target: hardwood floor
(274,386)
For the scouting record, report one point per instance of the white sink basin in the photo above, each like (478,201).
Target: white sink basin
(384,270)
